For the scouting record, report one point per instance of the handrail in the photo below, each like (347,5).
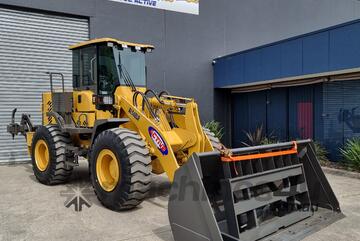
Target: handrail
(51,74)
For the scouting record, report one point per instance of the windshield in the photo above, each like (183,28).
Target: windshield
(114,62)
(134,64)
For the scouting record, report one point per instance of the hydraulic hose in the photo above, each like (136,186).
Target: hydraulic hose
(145,102)
(154,94)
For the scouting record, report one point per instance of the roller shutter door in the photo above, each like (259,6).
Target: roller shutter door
(32,44)
(341,114)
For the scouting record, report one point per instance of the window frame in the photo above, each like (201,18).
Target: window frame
(94,87)
(145,70)
(98,72)
(81,86)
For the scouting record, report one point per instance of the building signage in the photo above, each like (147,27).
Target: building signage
(184,6)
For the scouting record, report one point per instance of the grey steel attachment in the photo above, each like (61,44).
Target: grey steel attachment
(25,125)
(284,197)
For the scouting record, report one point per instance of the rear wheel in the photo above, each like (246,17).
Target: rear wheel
(48,155)
(120,169)
(215,142)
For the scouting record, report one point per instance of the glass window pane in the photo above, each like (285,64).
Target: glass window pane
(88,57)
(134,64)
(76,68)
(108,72)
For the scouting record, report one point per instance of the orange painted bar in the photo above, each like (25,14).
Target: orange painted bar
(260,155)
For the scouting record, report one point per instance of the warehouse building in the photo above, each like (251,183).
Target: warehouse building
(304,87)
(34,36)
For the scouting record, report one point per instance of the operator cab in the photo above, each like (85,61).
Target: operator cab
(101,65)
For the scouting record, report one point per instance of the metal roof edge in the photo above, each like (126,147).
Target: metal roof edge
(290,38)
(286,79)
(104,40)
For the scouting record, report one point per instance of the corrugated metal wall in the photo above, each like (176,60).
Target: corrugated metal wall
(332,49)
(284,113)
(248,113)
(277,113)
(301,112)
(341,107)
(30,45)
(267,108)
(328,113)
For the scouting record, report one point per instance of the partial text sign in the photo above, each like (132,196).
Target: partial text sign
(184,6)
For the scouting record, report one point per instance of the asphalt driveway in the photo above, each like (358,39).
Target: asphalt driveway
(31,211)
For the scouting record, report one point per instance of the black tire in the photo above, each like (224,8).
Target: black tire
(215,142)
(56,171)
(135,167)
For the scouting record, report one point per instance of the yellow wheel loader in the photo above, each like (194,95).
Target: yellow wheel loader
(127,132)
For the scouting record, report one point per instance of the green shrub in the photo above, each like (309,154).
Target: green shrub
(258,137)
(216,128)
(351,153)
(321,153)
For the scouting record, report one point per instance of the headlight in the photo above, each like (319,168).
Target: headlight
(108,100)
(103,99)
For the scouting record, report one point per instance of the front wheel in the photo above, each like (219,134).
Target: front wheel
(120,169)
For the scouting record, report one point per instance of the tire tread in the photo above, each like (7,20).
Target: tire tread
(138,164)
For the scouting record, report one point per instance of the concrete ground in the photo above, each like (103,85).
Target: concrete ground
(31,211)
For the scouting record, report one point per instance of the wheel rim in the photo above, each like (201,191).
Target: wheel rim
(42,156)
(107,170)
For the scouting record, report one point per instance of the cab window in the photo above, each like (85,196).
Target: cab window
(108,72)
(133,63)
(76,68)
(88,65)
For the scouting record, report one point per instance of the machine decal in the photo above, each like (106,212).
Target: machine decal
(158,140)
